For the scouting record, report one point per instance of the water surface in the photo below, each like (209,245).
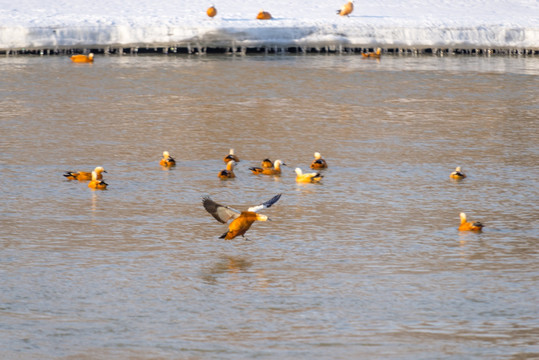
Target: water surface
(367,264)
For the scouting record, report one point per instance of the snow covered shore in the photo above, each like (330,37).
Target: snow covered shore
(482,26)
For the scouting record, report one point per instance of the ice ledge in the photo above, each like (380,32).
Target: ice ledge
(355,36)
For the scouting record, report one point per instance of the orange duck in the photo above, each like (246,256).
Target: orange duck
(308,177)
(229,172)
(469,226)
(167,160)
(242,221)
(275,170)
(212,11)
(97,184)
(263,15)
(457,174)
(84,175)
(346,9)
(80,58)
(318,163)
(376,55)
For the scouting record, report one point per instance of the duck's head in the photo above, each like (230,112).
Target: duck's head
(100,169)
(458,169)
(462,217)
(317,155)
(298,171)
(90,55)
(166,154)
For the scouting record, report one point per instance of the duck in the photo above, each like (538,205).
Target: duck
(457,174)
(167,160)
(318,162)
(346,9)
(377,54)
(96,183)
(263,15)
(228,173)
(231,156)
(241,220)
(80,58)
(212,11)
(469,226)
(275,170)
(84,175)
(308,177)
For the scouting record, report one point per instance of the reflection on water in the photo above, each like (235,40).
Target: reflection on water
(366,264)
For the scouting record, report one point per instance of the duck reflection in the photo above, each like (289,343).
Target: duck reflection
(236,270)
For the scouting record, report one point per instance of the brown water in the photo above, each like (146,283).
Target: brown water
(367,264)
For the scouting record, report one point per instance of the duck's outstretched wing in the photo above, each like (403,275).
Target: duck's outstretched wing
(220,212)
(266,204)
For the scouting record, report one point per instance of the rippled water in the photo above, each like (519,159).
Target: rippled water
(367,264)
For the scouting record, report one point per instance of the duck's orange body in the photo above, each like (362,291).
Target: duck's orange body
(318,163)
(275,170)
(242,224)
(97,184)
(212,11)
(468,225)
(83,58)
(263,15)
(377,54)
(346,9)
(84,175)
(308,177)
(457,174)
(231,157)
(167,160)
(229,172)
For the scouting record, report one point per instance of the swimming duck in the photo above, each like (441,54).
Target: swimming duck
(346,9)
(242,221)
(375,54)
(469,226)
(307,178)
(457,174)
(97,184)
(318,162)
(212,11)
(231,156)
(275,170)
(84,175)
(263,15)
(167,160)
(80,58)
(229,172)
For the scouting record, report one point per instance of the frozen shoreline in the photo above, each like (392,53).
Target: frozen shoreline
(437,26)
(118,39)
